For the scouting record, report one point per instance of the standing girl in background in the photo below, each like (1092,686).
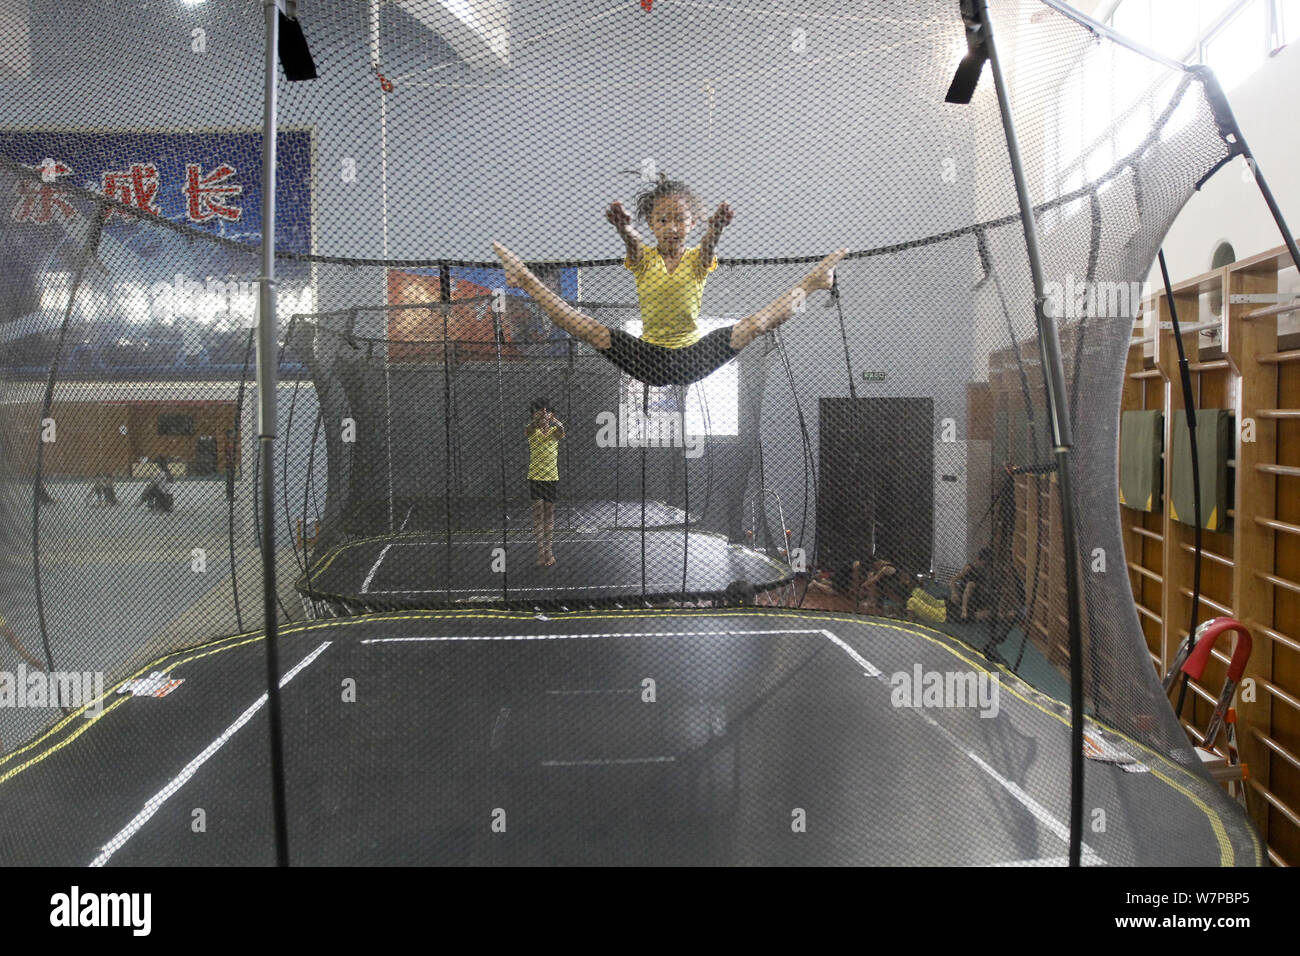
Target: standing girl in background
(543,432)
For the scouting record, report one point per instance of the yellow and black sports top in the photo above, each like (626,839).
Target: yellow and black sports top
(543,454)
(670,301)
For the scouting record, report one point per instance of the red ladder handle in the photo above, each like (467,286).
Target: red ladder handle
(1195,665)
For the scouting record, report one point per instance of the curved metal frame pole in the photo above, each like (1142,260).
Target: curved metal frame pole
(87,254)
(1062,436)
(266,422)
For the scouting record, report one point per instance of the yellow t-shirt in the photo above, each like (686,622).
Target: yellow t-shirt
(670,301)
(543,454)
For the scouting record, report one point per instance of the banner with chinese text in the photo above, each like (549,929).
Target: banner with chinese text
(177,305)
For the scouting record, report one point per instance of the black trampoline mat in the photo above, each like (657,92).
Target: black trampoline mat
(500,738)
(423,571)
(434,516)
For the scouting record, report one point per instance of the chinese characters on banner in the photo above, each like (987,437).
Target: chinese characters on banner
(209,194)
(136,186)
(41,202)
(156,301)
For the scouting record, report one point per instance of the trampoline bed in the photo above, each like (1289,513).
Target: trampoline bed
(605,566)
(431,515)
(637,737)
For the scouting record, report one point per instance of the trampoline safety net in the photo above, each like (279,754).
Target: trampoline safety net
(589,548)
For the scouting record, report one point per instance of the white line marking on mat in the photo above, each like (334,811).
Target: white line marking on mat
(606,762)
(154,803)
(632,540)
(518,590)
(868,668)
(365,585)
(1035,808)
(567,637)
(611,690)
(1085,859)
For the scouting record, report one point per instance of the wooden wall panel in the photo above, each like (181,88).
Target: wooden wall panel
(1284,776)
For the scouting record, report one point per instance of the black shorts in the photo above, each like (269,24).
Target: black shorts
(658,365)
(542,490)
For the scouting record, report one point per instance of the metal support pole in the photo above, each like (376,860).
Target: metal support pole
(266,422)
(1062,437)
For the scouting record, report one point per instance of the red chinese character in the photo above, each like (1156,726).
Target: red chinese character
(205,195)
(38,202)
(137,186)
(646,5)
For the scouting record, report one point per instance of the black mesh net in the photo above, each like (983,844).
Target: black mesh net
(583,559)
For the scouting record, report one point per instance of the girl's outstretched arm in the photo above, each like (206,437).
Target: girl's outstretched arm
(717,222)
(622,221)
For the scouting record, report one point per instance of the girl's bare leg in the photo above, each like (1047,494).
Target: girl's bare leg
(539,530)
(548,529)
(780,309)
(557,310)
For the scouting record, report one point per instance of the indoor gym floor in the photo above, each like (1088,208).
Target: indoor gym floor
(465,718)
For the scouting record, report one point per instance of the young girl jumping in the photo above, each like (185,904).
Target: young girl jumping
(670,284)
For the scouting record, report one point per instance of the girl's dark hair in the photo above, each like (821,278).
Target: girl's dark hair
(539,404)
(663,186)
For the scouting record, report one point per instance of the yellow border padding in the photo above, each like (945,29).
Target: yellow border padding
(1023,692)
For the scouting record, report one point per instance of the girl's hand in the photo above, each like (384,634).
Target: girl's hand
(720,219)
(617,215)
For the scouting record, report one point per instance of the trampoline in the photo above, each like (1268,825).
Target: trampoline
(606,566)
(355,513)
(609,738)
(480,516)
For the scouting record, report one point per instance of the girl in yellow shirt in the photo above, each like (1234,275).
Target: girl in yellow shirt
(543,432)
(670,281)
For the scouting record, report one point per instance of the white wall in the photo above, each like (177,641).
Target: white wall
(1229,206)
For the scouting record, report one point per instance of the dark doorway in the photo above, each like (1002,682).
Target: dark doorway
(205,455)
(875,489)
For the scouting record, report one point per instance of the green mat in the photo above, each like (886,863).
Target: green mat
(1141,436)
(1213,441)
